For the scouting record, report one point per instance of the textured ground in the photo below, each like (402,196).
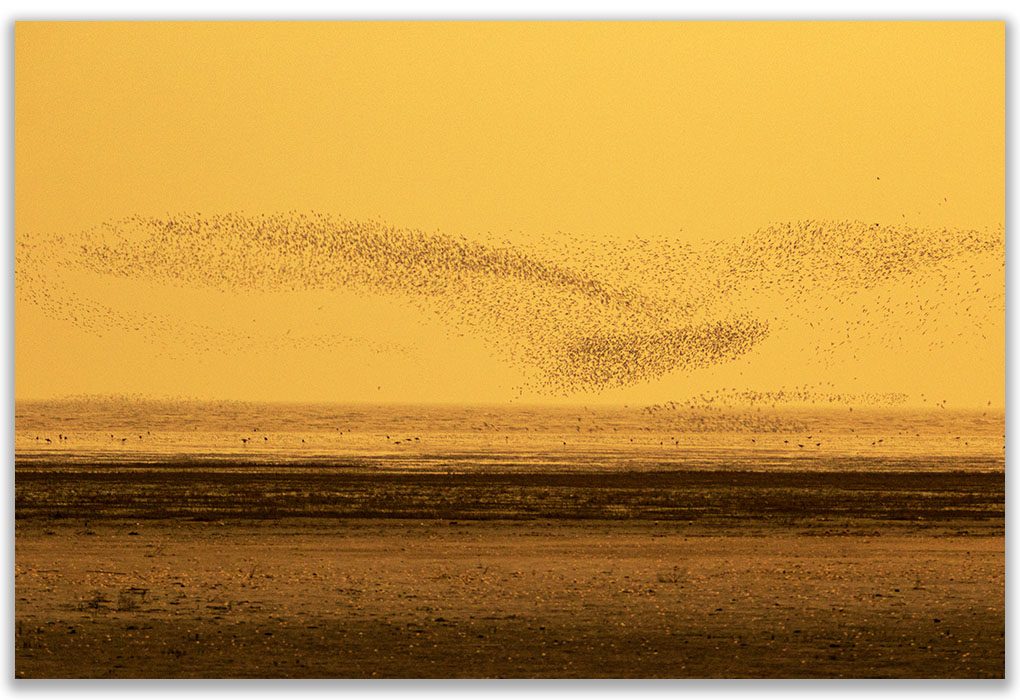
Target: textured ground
(330,597)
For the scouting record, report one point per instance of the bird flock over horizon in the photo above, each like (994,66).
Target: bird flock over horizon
(574,315)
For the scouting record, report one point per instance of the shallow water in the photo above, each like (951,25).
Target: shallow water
(517,438)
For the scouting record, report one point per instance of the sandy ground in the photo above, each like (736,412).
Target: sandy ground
(323,597)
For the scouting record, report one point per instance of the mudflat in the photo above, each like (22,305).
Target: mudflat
(839,596)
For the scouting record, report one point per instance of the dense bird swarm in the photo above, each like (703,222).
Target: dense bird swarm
(727,397)
(577,317)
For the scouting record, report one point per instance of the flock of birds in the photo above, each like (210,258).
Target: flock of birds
(805,395)
(843,283)
(579,317)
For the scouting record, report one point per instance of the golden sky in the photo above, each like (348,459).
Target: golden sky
(586,135)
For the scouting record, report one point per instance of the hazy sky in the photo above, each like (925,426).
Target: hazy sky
(529,133)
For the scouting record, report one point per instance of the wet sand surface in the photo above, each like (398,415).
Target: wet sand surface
(914,492)
(395,597)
